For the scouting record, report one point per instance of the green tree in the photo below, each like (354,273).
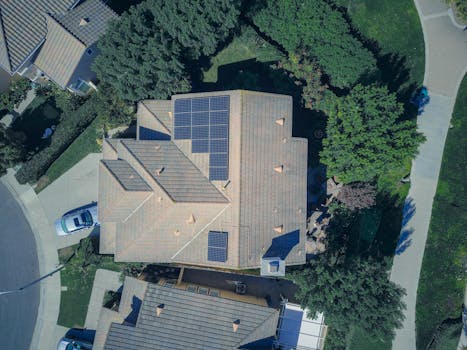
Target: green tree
(11,149)
(352,294)
(14,95)
(322,31)
(366,135)
(145,53)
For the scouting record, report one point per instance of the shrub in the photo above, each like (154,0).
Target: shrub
(14,95)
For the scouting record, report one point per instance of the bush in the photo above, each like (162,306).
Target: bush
(72,123)
(14,95)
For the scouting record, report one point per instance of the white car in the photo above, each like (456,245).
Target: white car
(69,344)
(77,219)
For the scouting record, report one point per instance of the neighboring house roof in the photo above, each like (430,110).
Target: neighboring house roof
(253,208)
(69,35)
(24,28)
(192,321)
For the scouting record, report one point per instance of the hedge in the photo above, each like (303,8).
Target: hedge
(72,123)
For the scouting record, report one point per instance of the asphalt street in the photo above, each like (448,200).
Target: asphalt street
(18,267)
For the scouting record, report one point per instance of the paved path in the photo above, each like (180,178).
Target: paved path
(445,65)
(18,267)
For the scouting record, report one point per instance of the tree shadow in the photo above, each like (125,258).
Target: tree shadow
(404,241)
(408,211)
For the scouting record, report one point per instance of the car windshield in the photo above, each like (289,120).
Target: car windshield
(86,218)
(64,228)
(70,347)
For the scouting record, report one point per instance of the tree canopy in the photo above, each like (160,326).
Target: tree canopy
(144,54)
(314,26)
(11,149)
(366,135)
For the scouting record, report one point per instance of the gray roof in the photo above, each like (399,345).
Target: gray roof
(95,12)
(173,171)
(24,28)
(126,175)
(192,321)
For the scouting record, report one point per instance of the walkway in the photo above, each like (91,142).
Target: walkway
(445,65)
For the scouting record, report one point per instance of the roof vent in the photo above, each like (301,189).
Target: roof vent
(83,21)
(160,170)
(279,229)
(280,121)
(191,219)
(176,233)
(279,168)
(159,309)
(170,114)
(157,147)
(284,140)
(159,199)
(235,325)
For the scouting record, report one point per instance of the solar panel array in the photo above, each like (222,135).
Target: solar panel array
(205,121)
(217,246)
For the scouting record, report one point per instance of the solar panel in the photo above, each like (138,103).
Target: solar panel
(217,246)
(182,105)
(200,132)
(218,159)
(219,131)
(218,173)
(219,103)
(200,146)
(200,118)
(183,119)
(218,146)
(182,133)
(200,104)
(219,117)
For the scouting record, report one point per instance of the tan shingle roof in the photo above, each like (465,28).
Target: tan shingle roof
(126,175)
(160,109)
(173,171)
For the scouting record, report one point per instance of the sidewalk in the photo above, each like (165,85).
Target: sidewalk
(445,66)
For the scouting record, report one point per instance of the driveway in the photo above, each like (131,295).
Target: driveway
(18,266)
(77,187)
(445,65)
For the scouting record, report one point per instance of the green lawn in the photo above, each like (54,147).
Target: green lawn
(244,47)
(443,278)
(83,145)
(39,115)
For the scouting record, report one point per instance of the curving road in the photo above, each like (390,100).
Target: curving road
(18,267)
(445,66)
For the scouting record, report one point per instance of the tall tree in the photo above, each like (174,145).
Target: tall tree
(366,136)
(315,26)
(354,294)
(144,54)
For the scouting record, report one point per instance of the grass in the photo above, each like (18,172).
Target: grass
(78,277)
(83,145)
(443,274)
(39,115)
(248,45)
(447,337)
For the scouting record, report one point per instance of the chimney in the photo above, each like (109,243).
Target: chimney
(191,219)
(279,169)
(83,21)
(235,325)
(280,121)
(279,229)
(159,309)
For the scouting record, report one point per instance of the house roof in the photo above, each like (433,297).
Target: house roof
(68,37)
(24,28)
(192,321)
(173,171)
(87,22)
(126,175)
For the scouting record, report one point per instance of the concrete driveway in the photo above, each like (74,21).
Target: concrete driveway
(445,66)
(77,187)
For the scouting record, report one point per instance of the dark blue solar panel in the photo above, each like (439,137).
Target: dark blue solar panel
(218,174)
(182,119)
(200,104)
(182,105)
(218,146)
(218,159)
(199,146)
(182,133)
(219,117)
(219,131)
(217,246)
(219,103)
(200,132)
(200,118)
